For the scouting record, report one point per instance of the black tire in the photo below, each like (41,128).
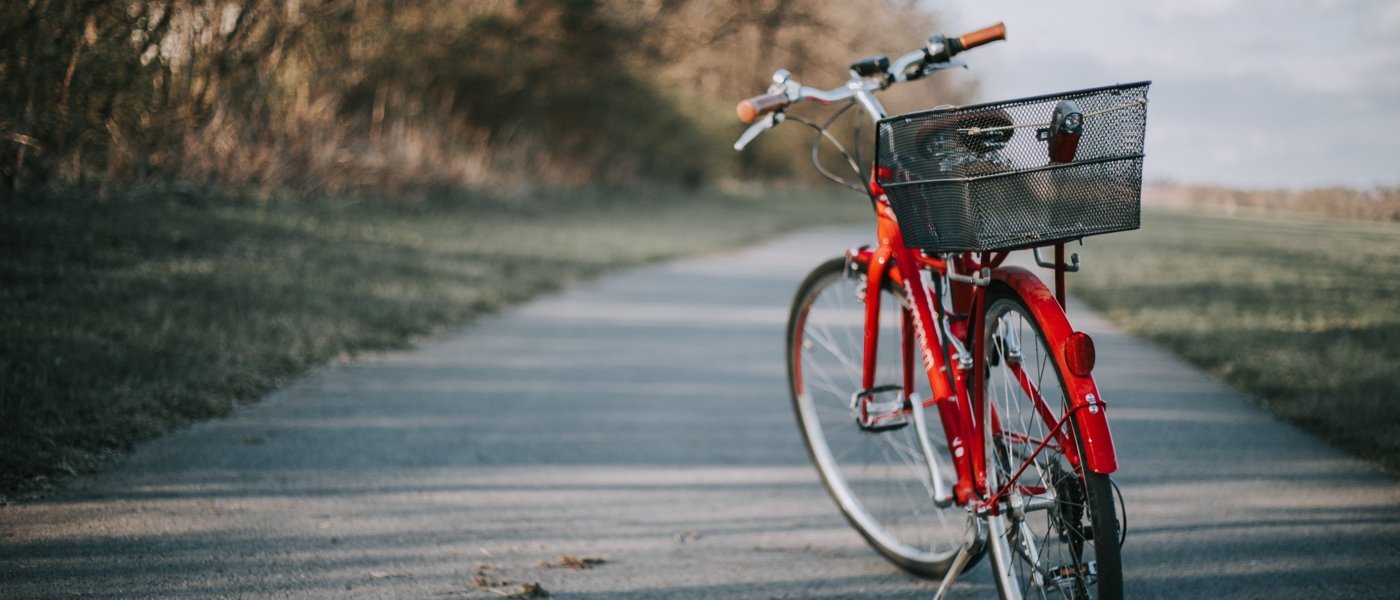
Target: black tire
(879,479)
(1069,523)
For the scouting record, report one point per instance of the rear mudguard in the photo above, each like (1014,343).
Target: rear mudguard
(1090,416)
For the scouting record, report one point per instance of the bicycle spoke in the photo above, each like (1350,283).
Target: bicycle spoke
(823,338)
(825,383)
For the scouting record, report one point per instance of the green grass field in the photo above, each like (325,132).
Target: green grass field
(1302,314)
(125,318)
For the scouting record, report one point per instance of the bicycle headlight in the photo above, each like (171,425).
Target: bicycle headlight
(1066,125)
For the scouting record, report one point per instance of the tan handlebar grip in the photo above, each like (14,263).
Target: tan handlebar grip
(753,108)
(985,35)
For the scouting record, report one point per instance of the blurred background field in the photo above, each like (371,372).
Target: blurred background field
(1301,312)
(200,199)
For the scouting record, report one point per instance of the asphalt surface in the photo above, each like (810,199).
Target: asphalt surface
(642,419)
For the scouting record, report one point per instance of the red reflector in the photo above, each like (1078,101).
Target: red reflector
(1066,144)
(1079,354)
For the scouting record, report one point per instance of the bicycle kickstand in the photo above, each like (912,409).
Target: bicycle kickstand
(972,544)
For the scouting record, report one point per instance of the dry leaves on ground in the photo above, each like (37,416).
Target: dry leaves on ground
(573,562)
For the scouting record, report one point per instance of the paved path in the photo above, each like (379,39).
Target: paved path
(643,419)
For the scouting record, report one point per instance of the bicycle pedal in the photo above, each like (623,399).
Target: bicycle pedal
(875,413)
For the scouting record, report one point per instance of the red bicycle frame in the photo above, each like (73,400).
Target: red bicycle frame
(970,277)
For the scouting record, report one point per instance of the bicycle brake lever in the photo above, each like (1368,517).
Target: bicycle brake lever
(758,127)
(934,67)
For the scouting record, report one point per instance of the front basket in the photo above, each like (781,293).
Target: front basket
(982,177)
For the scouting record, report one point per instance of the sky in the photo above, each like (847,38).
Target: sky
(1246,93)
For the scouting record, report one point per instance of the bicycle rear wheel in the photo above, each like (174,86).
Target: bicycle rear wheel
(1060,532)
(878,476)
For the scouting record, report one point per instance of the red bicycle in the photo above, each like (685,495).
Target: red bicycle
(1023,463)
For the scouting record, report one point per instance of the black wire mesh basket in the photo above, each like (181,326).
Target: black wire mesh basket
(1017,173)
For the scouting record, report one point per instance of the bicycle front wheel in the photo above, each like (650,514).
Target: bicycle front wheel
(879,476)
(1059,532)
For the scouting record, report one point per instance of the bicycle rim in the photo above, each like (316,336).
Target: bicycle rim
(879,479)
(1060,534)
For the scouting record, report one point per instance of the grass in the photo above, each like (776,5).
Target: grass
(125,318)
(1303,314)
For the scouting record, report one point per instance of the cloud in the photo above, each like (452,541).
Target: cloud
(1178,10)
(1253,132)
(1388,23)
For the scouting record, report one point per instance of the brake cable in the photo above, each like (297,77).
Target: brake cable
(822,132)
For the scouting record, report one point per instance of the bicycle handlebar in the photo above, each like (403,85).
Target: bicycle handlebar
(912,65)
(764,111)
(986,35)
(757,106)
